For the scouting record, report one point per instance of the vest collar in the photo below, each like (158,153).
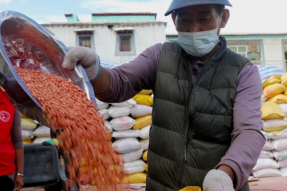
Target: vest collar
(217,57)
(221,50)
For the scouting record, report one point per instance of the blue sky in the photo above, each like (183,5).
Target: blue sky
(247,16)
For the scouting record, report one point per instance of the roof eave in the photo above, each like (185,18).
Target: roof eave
(102,23)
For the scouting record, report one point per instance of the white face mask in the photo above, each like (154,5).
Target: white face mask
(198,44)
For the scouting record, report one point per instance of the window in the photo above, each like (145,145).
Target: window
(242,50)
(250,50)
(285,53)
(85,41)
(125,43)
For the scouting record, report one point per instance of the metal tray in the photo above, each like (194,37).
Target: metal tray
(13,24)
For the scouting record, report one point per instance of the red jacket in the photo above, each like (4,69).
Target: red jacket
(7,151)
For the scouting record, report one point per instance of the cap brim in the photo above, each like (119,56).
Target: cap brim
(170,11)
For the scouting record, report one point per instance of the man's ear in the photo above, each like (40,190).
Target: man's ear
(224,18)
(173,17)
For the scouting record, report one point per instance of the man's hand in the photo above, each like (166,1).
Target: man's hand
(18,183)
(84,56)
(217,180)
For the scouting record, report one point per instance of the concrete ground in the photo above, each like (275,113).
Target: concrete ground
(138,187)
(270,184)
(86,189)
(32,189)
(263,184)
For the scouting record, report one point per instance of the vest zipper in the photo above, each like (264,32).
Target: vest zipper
(192,90)
(181,182)
(185,150)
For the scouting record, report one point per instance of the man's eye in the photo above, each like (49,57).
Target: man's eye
(204,19)
(184,20)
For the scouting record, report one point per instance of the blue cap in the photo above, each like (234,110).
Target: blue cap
(177,4)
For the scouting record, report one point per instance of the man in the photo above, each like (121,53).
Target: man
(206,112)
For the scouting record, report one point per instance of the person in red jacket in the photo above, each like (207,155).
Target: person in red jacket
(11,146)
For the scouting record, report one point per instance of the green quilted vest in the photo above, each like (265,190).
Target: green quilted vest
(192,126)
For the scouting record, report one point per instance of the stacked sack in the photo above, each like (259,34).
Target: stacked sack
(32,132)
(141,113)
(126,138)
(273,159)
(27,127)
(41,134)
(129,123)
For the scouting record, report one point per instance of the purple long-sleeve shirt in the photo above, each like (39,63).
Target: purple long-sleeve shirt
(247,140)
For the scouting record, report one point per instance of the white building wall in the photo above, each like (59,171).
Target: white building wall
(105,39)
(64,34)
(105,42)
(274,52)
(147,35)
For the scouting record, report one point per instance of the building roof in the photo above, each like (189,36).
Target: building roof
(256,35)
(241,35)
(69,15)
(253,34)
(72,17)
(171,35)
(123,14)
(244,34)
(92,24)
(123,17)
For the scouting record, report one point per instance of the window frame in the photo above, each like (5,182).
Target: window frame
(237,47)
(132,41)
(259,43)
(284,62)
(129,41)
(85,39)
(83,36)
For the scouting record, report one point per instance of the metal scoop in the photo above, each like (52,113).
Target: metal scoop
(17,30)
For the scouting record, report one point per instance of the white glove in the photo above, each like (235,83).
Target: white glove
(84,56)
(217,180)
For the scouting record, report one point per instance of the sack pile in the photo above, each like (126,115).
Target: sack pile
(32,132)
(129,124)
(273,159)
(27,127)
(41,134)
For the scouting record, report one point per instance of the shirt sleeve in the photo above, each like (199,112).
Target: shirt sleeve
(16,133)
(130,78)
(247,139)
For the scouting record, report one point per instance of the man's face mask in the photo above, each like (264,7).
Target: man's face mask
(198,44)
